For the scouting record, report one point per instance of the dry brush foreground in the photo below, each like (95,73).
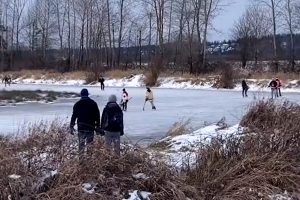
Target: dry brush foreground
(260,163)
(33,161)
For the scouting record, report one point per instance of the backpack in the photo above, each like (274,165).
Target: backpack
(115,120)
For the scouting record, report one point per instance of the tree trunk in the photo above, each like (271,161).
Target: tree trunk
(120,33)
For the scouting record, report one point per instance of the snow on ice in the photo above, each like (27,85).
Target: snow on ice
(181,150)
(89,188)
(139,195)
(14,176)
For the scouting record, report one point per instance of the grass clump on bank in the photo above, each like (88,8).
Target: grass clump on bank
(260,163)
(45,165)
(15,96)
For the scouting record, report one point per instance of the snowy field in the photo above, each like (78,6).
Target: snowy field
(203,107)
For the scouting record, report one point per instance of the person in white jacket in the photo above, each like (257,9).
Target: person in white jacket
(149,97)
(125,100)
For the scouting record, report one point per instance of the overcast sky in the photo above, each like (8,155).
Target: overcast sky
(225,21)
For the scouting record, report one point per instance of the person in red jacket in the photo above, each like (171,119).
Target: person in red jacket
(279,84)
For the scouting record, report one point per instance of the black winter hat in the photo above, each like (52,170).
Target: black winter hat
(84,93)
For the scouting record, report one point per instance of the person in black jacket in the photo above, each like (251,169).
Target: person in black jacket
(112,124)
(87,114)
(245,88)
(273,86)
(101,80)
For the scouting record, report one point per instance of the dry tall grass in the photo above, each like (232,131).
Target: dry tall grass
(261,162)
(50,147)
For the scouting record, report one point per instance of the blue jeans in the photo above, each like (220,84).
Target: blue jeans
(115,139)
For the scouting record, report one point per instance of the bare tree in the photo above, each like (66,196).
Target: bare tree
(289,14)
(159,9)
(242,34)
(120,31)
(210,10)
(248,31)
(274,7)
(61,12)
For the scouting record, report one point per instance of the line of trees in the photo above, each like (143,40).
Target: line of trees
(263,18)
(81,33)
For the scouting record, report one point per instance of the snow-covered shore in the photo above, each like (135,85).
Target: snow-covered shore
(168,83)
(181,150)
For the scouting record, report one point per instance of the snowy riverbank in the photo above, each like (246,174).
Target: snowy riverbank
(181,150)
(168,83)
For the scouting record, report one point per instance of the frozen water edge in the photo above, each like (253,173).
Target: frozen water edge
(167,83)
(173,105)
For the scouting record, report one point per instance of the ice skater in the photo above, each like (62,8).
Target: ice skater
(149,97)
(7,80)
(101,80)
(279,84)
(245,88)
(124,100)
(273,86)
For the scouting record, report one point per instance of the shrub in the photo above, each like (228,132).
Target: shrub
(180,128)
(261,162)
(48,147)
(226,77)
(155,68)
(90,77)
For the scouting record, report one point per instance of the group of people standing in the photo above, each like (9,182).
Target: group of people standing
(275,86)
(87,116)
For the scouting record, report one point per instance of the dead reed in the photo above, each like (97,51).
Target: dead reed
(50,148)
(261,162)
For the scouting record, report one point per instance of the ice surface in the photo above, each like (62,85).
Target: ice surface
(173,105)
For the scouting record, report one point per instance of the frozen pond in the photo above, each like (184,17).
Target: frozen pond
(201,106)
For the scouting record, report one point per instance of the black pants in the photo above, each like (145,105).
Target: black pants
(279,91)
(124,105)
(245,90)
(102,86)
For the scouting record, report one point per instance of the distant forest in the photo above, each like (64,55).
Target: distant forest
(68,35)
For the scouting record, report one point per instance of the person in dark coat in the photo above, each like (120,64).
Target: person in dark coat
(101,80)
(6,80)
(112,124)
(87,114)
(273,86)
(245,88)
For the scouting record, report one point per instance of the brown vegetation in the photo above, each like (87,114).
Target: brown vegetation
(155,69)
(263,161)
(260,162)
(49,148)
(226,78)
